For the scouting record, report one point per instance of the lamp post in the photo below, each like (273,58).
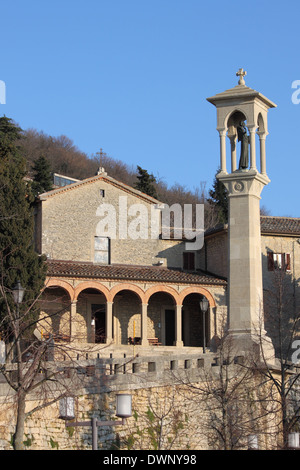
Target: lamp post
(123,411)
(203,307)
(18,293)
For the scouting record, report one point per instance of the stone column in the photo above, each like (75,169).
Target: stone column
(222,134)
(233,151)
(109,322)
(178,326)
(144,325)
(73,308)
(244,258)
(262,142)
(252,148)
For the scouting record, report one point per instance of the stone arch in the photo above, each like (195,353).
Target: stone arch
(127,286)
(92,285)
(168,290)
(261,123)
(233,117)
(55,315)
(197,290)
(198,325)
(63,284)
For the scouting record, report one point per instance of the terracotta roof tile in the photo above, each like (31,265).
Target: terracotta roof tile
(269,224)
(61,268)
(288,225)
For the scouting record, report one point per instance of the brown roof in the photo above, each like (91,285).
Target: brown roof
(269,224)
(284,225)
(59,268)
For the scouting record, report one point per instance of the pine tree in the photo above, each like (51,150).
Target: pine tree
(42,181)
(18,259)
(146,182)
(219,198)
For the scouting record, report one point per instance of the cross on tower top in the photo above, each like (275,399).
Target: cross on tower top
(241,73)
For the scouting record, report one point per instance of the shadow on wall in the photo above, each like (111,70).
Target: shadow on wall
(281,290)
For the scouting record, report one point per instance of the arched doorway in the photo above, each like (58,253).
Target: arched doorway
(162,318)
(127,317)
(55,313)
(196,329)
(90,323)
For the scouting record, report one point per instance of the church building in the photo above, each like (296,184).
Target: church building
(115,278)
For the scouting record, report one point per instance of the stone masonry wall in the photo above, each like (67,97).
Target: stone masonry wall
(166,394)
(70,224)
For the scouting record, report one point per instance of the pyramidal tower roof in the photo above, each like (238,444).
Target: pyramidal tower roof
(240,91)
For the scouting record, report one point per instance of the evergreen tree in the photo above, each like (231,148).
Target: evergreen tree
(42,181)
(146,182)
(18,259)
(219,198)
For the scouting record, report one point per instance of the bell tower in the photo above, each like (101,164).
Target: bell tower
(241,117)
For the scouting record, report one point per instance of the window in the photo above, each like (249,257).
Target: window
(102,192)
(61,181)
(102,250)
(279,261)
(189,261)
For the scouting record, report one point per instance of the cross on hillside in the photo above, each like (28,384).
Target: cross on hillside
(101,154)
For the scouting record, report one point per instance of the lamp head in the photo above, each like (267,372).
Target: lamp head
(18,293)
(204,304)
(124,405)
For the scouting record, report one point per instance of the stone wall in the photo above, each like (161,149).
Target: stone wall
(70,222)
(152,382)
(166,393)
(213,257)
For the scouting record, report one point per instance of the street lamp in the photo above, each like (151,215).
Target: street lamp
(123,411)
(18,293)
(203,307)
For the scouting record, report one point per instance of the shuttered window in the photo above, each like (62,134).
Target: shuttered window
(279,261)
(102,250)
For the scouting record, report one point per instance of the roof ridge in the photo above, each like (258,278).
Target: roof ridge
(92,179)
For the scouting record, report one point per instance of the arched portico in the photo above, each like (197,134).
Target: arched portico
(52,282)
(91,316)
(55,309)
(160,314)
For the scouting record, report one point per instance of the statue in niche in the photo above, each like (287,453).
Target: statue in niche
(244,139)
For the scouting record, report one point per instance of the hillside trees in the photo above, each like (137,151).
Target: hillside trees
(219,199)
(65,158)
(146,182)
(42,180)
(19,261)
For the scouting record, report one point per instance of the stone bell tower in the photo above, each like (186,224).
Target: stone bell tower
(242,116)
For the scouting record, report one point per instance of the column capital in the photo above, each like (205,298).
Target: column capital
(262,134)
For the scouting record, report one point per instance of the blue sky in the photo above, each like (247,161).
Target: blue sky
(132,77)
